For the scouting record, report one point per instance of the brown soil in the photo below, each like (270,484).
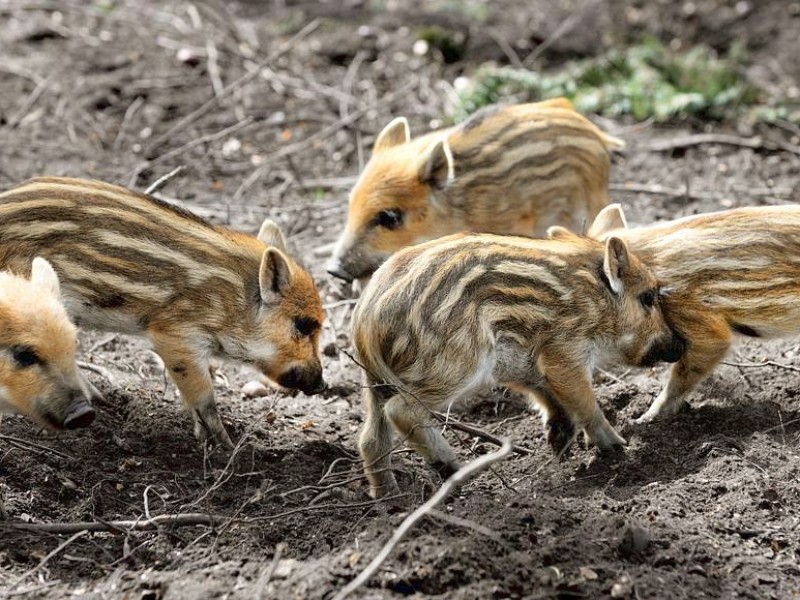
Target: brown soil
(703,506)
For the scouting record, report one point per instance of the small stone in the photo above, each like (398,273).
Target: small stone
(767,578)
(634,540)
(254,389)
(622,588)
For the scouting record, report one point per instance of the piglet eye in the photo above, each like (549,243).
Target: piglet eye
(648,298)
(390,219)
(25,356)
(306,325)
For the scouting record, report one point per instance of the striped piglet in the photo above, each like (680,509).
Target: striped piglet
(513,169)
(439,321)
(734,272)
(133,264)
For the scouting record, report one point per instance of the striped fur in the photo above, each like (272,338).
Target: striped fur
(133,264)
(441,320)
(514,169)
(730,272)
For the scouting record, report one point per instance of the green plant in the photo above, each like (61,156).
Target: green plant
(646,80)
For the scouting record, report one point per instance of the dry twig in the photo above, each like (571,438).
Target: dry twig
(479,433)
(232,87)
(685,192)
(756,143)
(47,558)
(102,371)
(209,137)
(766,363)
(162,181)
(264,578)
(324,133)
(465,473)
(26,445)
(178,520)
(563,29)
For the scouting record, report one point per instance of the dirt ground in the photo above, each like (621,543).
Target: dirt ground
(706,505)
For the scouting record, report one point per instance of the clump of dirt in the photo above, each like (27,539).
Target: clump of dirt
(704,505)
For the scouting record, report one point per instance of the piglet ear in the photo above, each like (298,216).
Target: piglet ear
(607,220)
(43,275)
(395,133)
(557,232)
(272,235)
(274,276)
(616,264)
(436,165)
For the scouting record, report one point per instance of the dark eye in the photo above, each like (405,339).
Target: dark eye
(391,219)
(25,356)
(648,298)
(306,325)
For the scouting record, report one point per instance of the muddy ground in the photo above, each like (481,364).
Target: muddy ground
(703,506)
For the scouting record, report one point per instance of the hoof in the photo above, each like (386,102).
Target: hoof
(559,434)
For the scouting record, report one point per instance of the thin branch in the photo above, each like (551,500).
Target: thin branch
(479,433)
(47,558)
(266,576)
(174,520)
(507,49)
(685,192)
(102,371)
(26,107)
(26,445)
(467,524)
(306,143)
(162,181)
(232,87)
(766,363)
(179,520)
(756,143)
(563,29)
(209,137)
(465,473)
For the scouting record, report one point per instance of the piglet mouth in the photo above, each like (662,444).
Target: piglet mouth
(308,383)
(337,270)
(670,351)
(79,415)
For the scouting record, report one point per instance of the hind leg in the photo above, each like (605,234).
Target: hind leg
(559,430)
(375,447)
(568,384)
(413,420)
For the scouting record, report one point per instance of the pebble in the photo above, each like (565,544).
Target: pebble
(634,540)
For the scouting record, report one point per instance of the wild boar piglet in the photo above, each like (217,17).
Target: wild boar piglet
(442,320)
(134,264)
(507,169)
(39,375)
(729,273)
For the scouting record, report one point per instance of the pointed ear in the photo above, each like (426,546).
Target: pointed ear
(272,235)
(557,232)
(395,133)
(275,276)
(607,220)
(43,274)
(616,263)
(436,166)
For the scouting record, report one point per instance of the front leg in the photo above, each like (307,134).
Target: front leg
(188,367)
(707,345)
